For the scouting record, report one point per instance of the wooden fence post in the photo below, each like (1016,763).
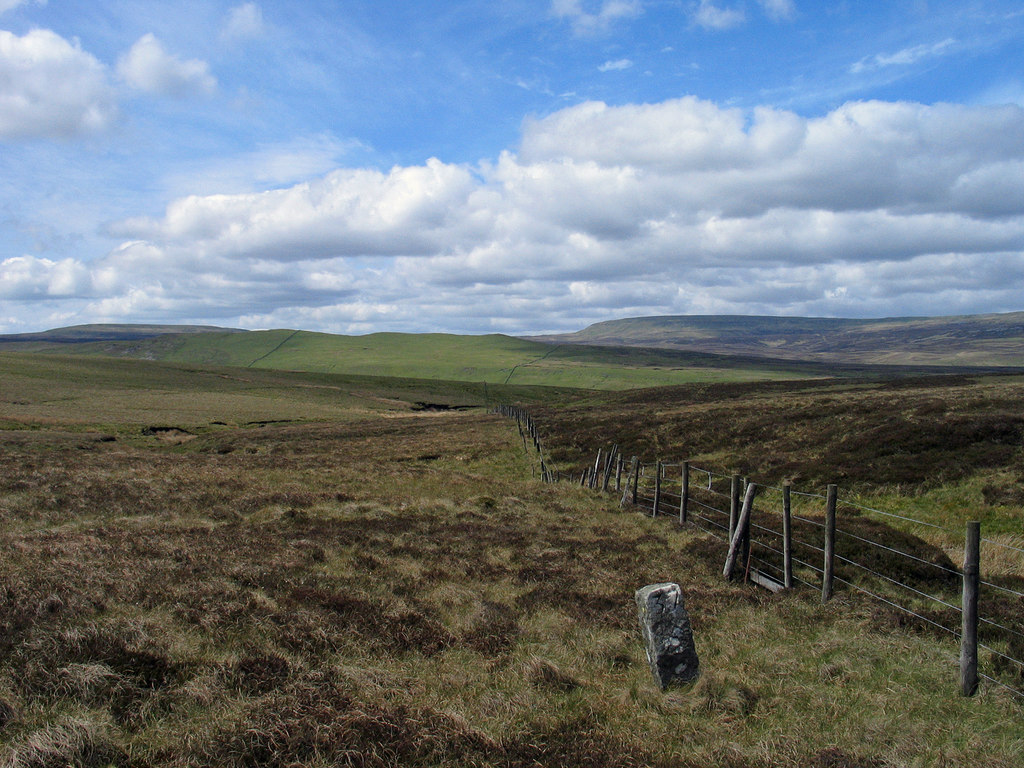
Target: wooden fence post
(684,492)
(787,536)
(618,474)
(742,529)
(969,609)
(734,504)
(636,477)
(657,489)
(830,544)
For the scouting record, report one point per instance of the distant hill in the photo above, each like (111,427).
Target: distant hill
(970,340)
(85,334)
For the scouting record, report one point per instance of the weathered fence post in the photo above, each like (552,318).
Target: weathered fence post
(828,571)
(734,504)
(969,609)
(618,474)
(597,468)
(684,492)
(657,489)
(636,478)
(742,529)
(608,467)
(787,536)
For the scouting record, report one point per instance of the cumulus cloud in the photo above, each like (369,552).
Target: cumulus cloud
(148,67)
(244,21)
(675,207)
(50,87)
(586,22)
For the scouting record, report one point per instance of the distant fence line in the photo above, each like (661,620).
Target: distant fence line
(778,538)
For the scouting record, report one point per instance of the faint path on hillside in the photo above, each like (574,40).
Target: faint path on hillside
(284,341)
(520,365)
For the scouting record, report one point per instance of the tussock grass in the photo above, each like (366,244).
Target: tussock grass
(384,592)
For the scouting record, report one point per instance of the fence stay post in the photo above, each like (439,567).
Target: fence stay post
(657,489)
(734,504)
(969,609)
(742,526)
(787,536)
(828,571)
(684,492)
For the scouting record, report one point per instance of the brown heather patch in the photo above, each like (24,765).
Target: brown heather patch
(286,594)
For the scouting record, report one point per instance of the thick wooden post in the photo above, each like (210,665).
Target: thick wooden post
(742,529)
(636,477)
(657,489)
(787,536)
(969,610)
(734,504)
(684,492)
(618,474)
(830,544)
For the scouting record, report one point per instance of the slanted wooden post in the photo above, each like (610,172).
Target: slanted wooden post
(742,524)
(597,468)
(608,462)
(636,477)
(787,536)
(830,544)
(969,610)
(684,492)
(657,489)
(618,473)
(734,504)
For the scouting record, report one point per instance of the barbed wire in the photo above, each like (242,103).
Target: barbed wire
(898,517)
(1002,685)
(898,583)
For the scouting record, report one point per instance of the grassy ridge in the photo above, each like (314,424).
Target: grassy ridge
(495,359)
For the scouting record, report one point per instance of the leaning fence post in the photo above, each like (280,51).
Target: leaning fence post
(787,536)
(969,610)
(742,525)
(618,474)
(684,492)
(657,489)
(734,504)
(828,572)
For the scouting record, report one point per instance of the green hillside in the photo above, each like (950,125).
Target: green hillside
(494,359)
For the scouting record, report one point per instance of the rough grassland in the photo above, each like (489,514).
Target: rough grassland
(378,591)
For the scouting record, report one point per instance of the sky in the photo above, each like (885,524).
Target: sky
(524,166)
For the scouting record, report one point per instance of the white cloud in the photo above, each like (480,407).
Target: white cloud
(710,16)
(244,21)
(586,23)
(905,56)
(50,87)
(779,10)
(615,66)
(681,206)
(148,67)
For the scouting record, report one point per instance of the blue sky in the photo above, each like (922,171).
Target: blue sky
(520,167)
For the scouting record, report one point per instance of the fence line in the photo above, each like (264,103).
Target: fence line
(775,531)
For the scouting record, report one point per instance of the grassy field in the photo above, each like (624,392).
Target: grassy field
(494,359)
(369,584)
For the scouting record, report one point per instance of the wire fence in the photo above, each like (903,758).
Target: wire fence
(781,538)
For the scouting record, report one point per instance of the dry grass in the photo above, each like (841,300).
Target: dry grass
(384,592)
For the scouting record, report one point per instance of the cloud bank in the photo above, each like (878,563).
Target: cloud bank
(683,206)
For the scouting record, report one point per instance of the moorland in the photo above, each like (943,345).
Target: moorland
(230,564)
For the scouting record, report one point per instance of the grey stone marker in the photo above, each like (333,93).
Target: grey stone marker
(667,634)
